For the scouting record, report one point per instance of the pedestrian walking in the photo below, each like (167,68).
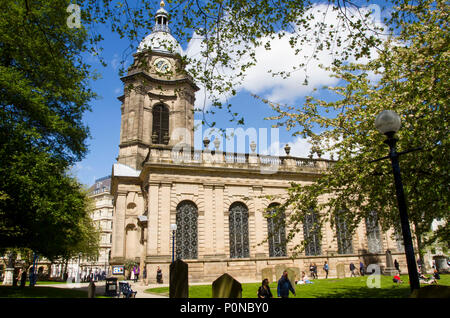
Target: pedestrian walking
(132,273)
(136,273)
(397,266)
(23,279)
(284,286)
(352,270)
(311,270)
(326,268)
(264,289)
(361,268)
(159,277)
(315,271)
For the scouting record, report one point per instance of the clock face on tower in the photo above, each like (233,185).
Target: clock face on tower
(162,65)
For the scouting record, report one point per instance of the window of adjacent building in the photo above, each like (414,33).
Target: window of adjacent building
(344,236)
(373,233)
(277,231)
(238,226)
(186,234)
(160,124)
(311,234)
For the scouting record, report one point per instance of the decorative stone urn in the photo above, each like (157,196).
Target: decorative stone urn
(253,146)
(216,143)
(287,149)
(206,142)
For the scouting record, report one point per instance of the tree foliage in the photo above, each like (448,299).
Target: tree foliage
(409,76)
(44,91)
(230,32)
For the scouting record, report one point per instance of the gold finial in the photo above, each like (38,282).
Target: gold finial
(162,4)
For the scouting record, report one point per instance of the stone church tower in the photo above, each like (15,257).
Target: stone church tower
(158,102)
(219,201)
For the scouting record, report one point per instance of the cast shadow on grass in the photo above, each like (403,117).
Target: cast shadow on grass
(365,292)
(46,292)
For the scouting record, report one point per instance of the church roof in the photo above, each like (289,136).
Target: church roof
(160,40)
(121,170)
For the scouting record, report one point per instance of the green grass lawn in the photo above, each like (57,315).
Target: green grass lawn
(355,287)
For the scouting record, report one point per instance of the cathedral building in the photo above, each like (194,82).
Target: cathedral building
(217,200)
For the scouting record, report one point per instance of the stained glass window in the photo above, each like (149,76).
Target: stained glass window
(186,234)
(311,234)
(238,222)
(344,237)
(277,232)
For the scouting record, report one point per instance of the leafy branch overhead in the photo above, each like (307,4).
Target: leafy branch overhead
(409,76)
(230,32)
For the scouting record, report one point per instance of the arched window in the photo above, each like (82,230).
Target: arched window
(373,233)
(238,222)
(311,234)
(277,232)
(160,134)
(344,236)
(186,235)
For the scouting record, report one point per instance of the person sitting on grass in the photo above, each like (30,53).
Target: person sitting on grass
(436,274)
(304,280)
(425,280)
(397,279)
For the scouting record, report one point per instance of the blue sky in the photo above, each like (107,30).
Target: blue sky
(104,120)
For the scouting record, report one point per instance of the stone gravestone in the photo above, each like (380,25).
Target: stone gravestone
(91,290)
(441,263)
(293,274)
(179,282)
(340,270)
(267,273)
(279,269)
(389,270)
(226,287)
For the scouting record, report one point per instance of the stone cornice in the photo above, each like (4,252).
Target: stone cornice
(174,82)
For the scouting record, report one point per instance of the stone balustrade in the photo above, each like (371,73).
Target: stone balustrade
(205,158)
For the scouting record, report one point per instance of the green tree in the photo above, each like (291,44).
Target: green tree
(43,93)
(410,76)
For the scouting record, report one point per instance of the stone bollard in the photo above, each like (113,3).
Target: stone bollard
(91,290)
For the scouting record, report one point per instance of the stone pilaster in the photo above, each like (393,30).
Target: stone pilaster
(165,236)
(118,246)
(260,223)
(209,224)
(220,220)
(153,216)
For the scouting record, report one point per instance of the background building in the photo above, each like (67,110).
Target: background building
(102,215)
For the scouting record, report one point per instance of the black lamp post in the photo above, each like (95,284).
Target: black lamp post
(173,227)
(388,123)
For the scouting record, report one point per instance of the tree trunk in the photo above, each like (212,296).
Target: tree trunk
(418,234)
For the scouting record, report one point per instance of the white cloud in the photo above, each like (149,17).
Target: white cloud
(300,147)
(115,61)
(282,57)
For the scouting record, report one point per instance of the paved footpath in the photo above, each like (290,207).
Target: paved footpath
(100,288)
(140,287)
